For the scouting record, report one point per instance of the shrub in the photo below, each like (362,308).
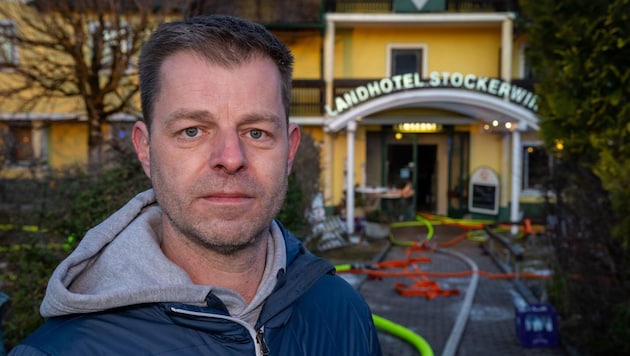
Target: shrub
(303,186)
(591,285)
(25,281)
(67,204)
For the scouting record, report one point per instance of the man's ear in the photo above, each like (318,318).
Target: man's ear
(294,144)
(140,138)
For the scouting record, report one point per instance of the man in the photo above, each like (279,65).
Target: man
(198,265)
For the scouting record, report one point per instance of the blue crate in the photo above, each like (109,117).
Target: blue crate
(537,325)
(4,301)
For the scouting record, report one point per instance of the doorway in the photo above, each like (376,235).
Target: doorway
(419,168)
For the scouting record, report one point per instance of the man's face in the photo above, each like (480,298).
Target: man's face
(220,150)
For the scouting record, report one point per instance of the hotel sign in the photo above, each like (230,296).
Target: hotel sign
(407,81)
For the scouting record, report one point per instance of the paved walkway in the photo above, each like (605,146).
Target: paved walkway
(490,328)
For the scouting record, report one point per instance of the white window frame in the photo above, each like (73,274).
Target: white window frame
(525,183)
(12,47)
(414,46)
(94,25)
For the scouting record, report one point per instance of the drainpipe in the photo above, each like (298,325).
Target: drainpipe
(507,48)
(350,131)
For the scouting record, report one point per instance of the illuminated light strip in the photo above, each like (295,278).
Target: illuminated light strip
(412,127)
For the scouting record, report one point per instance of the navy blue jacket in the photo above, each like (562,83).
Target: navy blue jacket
(312,311)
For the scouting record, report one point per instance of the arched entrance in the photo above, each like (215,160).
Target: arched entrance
(436,152)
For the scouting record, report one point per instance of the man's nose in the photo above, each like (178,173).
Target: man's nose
(228,153)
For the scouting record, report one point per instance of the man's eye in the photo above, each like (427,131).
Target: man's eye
(191,131)
(256,134)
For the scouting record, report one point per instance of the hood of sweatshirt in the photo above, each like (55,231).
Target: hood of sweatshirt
(119,263)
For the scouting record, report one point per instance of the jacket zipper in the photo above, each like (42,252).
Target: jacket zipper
(258,337)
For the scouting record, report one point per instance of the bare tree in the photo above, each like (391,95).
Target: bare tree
(78,56)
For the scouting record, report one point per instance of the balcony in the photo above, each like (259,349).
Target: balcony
(308,98)
(308,14)
(407,6)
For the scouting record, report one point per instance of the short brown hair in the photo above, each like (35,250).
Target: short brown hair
(222,40)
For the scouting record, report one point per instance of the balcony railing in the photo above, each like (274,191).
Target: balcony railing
(482,5)
(308,96)
(352,6)
(383,6)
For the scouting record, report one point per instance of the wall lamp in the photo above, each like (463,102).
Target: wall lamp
(496,126)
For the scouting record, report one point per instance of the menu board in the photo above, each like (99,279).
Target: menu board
(483,194)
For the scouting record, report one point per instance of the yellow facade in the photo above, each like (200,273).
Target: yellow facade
(68,144)
(57,117)
(477,52)
(304,45)
(362,50)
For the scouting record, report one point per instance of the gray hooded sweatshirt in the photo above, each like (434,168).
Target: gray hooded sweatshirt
(119,263)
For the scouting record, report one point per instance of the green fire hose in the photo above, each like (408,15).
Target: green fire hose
(405,334)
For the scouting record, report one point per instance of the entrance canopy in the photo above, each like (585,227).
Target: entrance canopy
(475,105)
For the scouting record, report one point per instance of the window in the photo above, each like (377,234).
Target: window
(116,42)
(118,140)
(535,166)
(8,50)
(526,71)
(406,60)
(19,143)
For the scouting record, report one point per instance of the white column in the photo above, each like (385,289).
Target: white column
(506,169)
(329,69)
(507,48)
(507,30)
(328,168)
(350,131)
(517,172)
(329,61)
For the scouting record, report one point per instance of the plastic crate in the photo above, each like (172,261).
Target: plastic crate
(537,325)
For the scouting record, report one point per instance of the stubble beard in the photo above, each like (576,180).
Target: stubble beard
(210,233)
(220,245)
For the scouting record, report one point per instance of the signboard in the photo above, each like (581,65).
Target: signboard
(407,81)
(483,192)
